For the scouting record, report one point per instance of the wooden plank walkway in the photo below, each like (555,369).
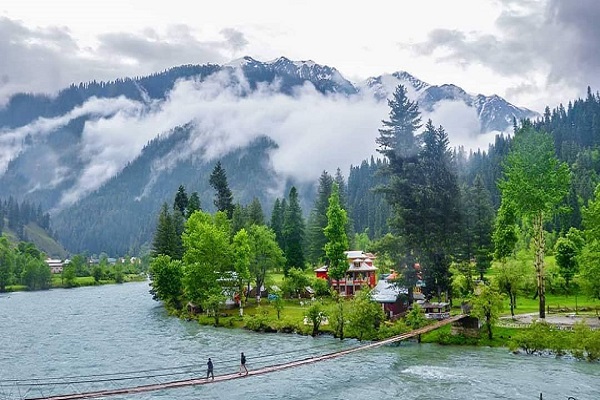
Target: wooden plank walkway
(261,371)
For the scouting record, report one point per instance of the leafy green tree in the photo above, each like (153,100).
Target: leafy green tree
(223,197)
(118,273)
(415,318)
(338,320)
(181,201)
(241,248)
(589,260)
(366,316)
(79,261)
(293,233)
(278,303)
(534,183)
(166,277)
(213,303)
(316,315)
(36,274)
(337,240)
(510,277)
(97,273)
(487,305)
(295,282)
(265,254)
(69,273)
(207,255)
(7,263)
(566,253)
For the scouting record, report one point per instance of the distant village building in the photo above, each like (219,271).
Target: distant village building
(56,265)
(361,272)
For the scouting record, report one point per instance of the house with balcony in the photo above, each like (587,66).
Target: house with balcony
(56,265)
(360,273)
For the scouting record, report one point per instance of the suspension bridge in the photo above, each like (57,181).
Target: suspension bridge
(24,389)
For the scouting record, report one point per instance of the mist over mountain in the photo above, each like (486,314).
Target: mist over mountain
(103,156)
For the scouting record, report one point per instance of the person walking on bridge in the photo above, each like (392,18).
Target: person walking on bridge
(243,364)
(209,370)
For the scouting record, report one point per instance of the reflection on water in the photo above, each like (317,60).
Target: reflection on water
(118,331)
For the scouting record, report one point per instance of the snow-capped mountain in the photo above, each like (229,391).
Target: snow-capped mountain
(103,156)
(494,113)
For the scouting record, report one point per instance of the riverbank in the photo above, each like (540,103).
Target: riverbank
(80,281)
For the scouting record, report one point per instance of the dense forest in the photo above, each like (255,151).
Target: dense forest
(15,216)
(435,214)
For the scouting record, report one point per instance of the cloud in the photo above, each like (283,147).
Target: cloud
(47,59)
(313,131)
(551,39)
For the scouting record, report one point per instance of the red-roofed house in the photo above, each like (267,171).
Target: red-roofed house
(361,272)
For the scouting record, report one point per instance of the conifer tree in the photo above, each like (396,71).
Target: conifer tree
(293,233)
(255,213)
(337,239)
(223,197)
(277,218)
(181,200)
(193,204)
(317,222)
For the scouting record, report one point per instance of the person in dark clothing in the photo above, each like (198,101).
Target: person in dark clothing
(243,364)
(209,370)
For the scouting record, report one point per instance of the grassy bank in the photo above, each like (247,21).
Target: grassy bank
(57,282)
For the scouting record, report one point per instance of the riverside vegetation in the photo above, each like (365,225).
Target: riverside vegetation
(441,236)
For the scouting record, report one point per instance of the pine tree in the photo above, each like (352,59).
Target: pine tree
(277,218)
(223,198)
(255,213)
(337,239)
(193,204)
(165,237)
(317,222)
(181,200)
(293,233)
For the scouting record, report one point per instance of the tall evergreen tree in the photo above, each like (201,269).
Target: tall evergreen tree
(433,219)
(181,200)
(223,197)
(337,239)
(165,237)
(317,221)
(255,213)
(193,204)
(293,233)
(277,218)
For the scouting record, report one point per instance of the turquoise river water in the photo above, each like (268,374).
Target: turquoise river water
(78,340)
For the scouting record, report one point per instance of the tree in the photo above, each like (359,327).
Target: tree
(69,275)
(589,260)
(213,303)
(255,213)
(223,197)
(166,280)
(293,233)
(317,221)
(487,304)
(166,241)
(181,201)
(534,183)
(483,220)
(431,219)
(193,204)
(277,218)
(337,240)
(265,254)
(278,303)
(207,255)
(241,249)
(316,315)
(366,315)
(566,253)
(7,262)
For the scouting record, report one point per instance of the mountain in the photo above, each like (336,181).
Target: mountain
(104,156)
(494,113)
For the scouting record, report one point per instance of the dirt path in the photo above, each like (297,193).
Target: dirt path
(561,320)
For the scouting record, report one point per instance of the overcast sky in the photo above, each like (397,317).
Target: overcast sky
(533,53)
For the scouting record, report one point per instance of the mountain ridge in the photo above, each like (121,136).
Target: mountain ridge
(64,147)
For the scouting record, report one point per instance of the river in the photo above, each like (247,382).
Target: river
(68,340)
